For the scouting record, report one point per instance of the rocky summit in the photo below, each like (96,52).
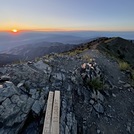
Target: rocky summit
(96,96)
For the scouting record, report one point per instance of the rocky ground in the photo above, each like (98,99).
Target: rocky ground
(24,90)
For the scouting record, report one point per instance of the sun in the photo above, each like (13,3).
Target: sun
(14,30)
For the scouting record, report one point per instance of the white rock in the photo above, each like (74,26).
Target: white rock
(113,95)
(127,85)
(1,86)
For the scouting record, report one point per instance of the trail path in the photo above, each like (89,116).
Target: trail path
(119,106)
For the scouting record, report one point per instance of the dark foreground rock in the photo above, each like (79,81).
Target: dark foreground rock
(83,109)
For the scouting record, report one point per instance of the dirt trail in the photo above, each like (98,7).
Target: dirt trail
(119,106)
(110,67)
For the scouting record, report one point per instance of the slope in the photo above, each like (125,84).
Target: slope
(84,109)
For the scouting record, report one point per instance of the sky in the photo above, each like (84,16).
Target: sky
(67,15)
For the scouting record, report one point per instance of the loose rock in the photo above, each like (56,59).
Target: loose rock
(99,108)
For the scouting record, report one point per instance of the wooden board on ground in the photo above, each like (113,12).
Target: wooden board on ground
(48,115)
(56,113)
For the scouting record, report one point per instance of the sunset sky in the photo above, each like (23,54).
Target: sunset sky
(60,15)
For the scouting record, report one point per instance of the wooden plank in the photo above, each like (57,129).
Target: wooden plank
(48,116)
(56,113)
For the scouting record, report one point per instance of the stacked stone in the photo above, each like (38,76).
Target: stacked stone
(90,71)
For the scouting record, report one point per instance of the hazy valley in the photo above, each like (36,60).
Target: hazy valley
(26,46)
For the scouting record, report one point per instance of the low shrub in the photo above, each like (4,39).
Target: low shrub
(75,52)
(87,58)
(124,66)
(96,84)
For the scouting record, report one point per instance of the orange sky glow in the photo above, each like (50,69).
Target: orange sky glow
(59,15)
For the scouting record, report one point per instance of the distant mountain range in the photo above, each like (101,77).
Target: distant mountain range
(31,51)
(29,45)
(9,40)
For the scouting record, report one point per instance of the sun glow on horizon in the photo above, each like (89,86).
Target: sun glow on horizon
(14,30)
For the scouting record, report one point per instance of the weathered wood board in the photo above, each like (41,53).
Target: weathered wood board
(56,113)
(48,115)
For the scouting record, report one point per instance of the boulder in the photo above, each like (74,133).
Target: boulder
(43,66)
(4,78)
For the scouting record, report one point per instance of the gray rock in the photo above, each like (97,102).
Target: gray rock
(26,107)
(86,95)
(1,109)
(5,131)
(10,88)
(96,95)
(121,82)
(91,102)
(2,98)
(36,107)
(20,84)
(2,71)
(34,93)
(42,66)
(114,95)
(5,78)
(132,112)
(21,117)
(69,120)
(63,70)
(29,62)
(9,112)
(99,108)
(98,131)
(18,101)
(41,102)
(15,99)
(23,97)
(15,111)
(69,88)
(73,79)
(100,96)
(7,92)
(90,71)
(1,86)
(120,88)
(59,76)
(127,85)
(74,127)
(67,130)
(13,115)
(129,89)
(8,84)
(128,127)
(6,103)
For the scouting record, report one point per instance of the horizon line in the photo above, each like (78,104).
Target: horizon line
(65,30)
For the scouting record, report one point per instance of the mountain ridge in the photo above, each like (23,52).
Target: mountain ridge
(96,96)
